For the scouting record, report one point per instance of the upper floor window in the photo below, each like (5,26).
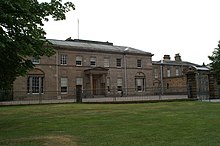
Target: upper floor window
(106,62)
(155,73)
(78,61)
(118,62)
(92,61)
(168,73)
(177,72)
(139,65)
(63,59)
(35,60)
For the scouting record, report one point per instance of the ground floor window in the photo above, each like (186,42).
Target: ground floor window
(108,84)
(119,84)
(35,84)
(64,86)
(140,84)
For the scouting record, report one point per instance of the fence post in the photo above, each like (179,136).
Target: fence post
(78,93)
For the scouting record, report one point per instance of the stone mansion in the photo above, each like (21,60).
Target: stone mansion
(99,68)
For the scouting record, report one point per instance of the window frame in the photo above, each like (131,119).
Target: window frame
(63,59)
(63,85)
(177,71)
(35,84)
(139,63)
(119,84)
(140,88)
(79,60)
(93,61)
(168,72)
(35,60)
(106,62)
(118,62)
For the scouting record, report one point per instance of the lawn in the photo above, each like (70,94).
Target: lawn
(153,124)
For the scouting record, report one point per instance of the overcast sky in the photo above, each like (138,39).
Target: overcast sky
(188,27)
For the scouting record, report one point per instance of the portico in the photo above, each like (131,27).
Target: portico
(97,80)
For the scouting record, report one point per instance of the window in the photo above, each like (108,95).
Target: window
(118,62)
(139,65)
(35,61)
(108,84)
(35,84)
(139,84)
(63,85)
(92,61)
(78,61)
(106,62)
(155,73)
(63,59)
(177,72)
(168,72)
(79,81)
(119,84)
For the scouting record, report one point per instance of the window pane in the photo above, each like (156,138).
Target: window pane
(79,81)
(119,82)
(63,89)
(63,82)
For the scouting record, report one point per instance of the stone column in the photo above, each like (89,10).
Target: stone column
(91,84)
(191,83)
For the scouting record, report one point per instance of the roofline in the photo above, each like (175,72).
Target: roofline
(79,48)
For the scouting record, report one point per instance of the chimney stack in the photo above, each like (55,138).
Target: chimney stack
(178,57)
(166,57)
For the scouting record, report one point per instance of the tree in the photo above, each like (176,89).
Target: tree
(215,64)
(22,36)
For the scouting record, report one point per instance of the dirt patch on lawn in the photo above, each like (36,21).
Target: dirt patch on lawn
(63,140)
(59,141)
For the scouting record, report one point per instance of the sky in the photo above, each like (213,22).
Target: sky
(188,27)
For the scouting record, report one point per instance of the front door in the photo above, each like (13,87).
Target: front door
(94,86)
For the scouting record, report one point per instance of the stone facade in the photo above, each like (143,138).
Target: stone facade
(99,68)
(170,75)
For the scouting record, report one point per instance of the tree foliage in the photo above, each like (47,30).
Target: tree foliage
(215,58)
(22,36)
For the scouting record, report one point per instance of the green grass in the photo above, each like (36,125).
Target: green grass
(153,124)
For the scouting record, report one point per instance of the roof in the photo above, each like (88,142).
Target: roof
(95,46)
(201,68)
(172,62)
